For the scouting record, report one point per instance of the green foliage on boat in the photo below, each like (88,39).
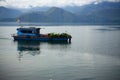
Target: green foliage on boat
(59,35)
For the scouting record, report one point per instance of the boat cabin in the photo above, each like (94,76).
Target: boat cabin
(32,31)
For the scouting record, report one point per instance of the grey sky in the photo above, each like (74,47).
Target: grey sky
(58,3)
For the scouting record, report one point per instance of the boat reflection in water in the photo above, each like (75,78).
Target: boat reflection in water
(33,47)
(28,47)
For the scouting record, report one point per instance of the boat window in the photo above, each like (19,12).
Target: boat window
(26,31)
(37,31)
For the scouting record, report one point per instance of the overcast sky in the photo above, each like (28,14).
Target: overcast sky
(58,3)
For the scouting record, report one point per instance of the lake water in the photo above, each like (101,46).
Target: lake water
(93,54)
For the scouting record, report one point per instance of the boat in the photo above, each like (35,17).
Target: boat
(33,33)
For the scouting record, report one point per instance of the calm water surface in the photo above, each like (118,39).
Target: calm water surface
(94,54)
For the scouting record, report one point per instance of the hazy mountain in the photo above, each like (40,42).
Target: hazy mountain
(59,15)
(101,13)
(54,14)
(8,14)
(35,9)
(106,15)
(86,9)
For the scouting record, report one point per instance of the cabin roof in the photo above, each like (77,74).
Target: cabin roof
(30,28)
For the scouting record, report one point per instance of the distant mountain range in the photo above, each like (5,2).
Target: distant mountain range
(101,13)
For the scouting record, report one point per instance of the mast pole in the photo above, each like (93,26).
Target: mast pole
(18,20)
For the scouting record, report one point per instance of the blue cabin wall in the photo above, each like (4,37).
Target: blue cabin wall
(26,34)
